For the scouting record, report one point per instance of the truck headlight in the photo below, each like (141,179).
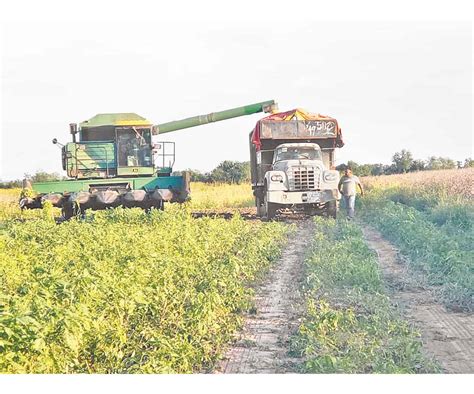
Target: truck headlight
(330,176)
(276,178)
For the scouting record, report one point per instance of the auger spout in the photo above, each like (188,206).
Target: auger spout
(265,106)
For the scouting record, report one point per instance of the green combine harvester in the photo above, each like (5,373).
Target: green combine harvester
(113,161)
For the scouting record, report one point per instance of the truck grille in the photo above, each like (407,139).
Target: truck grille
(304,178)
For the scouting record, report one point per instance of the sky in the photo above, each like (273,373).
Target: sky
(391,84)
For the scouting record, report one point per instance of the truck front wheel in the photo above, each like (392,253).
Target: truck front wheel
(331,209)
(270,209)
(260,207)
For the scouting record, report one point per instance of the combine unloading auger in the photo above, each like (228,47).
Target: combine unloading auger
(113,161)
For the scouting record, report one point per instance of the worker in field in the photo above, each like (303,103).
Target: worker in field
(347,187)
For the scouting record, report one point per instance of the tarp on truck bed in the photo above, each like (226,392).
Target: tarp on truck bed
(297,124)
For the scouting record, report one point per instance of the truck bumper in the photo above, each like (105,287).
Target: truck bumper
(304,197)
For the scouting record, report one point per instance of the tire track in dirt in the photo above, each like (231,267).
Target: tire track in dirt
(262,345)
(447,336)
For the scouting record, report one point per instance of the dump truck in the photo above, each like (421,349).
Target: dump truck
(114,160)
(292,158)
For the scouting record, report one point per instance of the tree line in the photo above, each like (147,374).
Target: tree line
(403,162)
(226,172)
(39,176)
(239,171)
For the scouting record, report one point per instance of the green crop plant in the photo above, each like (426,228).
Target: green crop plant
(437,241)
(350,325)
(123,291)
(429,216)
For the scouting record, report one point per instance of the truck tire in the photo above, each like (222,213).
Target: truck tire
(331,209)
(270,208)
(309,210)
(260,207)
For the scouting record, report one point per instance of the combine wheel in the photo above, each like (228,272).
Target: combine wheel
(71,209)
(157,205)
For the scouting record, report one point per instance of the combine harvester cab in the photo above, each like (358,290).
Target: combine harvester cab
(292,163)
(114,161)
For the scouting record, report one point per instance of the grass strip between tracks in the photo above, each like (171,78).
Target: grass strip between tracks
(350,325)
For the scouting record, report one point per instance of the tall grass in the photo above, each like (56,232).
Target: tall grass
(10,210)
(430,218)
(215,196)
(443,185)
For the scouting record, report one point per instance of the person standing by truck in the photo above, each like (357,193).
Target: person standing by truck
(347,187)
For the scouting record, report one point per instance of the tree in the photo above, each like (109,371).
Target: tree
(418,165)
(42,176)
(11,184)
(402,161)
(440,163)
(364,170)
(377,169)
(231,172)
(354,166)
(197,176)
(468,163)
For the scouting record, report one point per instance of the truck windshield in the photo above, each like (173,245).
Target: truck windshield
(297,153)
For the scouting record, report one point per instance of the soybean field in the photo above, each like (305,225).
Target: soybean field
(206,287)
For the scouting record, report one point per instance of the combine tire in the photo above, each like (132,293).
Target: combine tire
(70,210)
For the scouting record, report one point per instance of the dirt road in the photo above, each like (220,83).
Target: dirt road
(446,335)
(262,345)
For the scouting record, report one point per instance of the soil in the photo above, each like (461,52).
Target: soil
(248,214)
(447,336)
(263,344)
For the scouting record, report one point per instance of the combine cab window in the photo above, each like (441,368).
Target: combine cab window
(134,147)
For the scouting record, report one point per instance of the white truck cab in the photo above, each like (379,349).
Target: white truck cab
(299,177)
(292,161)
